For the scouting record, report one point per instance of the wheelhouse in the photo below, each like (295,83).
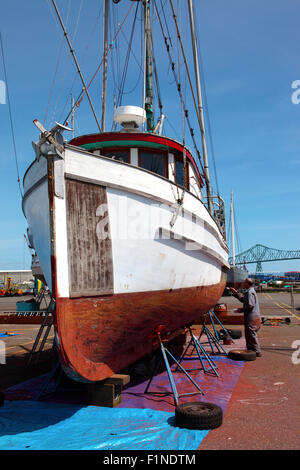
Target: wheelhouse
(159,155)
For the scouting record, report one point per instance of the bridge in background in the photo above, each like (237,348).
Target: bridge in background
(260,254)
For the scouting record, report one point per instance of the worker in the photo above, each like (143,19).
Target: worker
(252,319)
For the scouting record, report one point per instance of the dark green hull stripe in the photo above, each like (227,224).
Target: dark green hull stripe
(124,143)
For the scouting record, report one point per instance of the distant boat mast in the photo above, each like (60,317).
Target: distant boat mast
(232,229)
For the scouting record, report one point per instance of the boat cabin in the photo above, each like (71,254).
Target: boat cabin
(154,153)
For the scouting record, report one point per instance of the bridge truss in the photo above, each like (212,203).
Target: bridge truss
(260,253)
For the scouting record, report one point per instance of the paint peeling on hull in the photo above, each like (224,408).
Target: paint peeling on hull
(101,336)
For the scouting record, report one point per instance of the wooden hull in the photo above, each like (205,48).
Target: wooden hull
(113,261)
(102,335)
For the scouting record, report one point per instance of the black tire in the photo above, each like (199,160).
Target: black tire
(242,355)
(1,398)
(235,334)
(198,415)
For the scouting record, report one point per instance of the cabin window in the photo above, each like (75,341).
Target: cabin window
(179,173)
(121,155)
(153,161)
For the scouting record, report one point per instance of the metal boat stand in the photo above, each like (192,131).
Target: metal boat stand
(213,339)
(165,353)
(213,316)
(195,344)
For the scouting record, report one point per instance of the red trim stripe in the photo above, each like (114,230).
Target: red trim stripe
(142,137)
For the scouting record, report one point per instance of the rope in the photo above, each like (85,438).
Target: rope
(10,117)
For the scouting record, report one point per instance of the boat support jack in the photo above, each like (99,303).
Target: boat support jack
(165,353)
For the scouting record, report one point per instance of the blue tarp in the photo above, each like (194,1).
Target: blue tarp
(53,426)
(4,335)
(141,422)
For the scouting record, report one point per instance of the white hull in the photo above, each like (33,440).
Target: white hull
(147,253)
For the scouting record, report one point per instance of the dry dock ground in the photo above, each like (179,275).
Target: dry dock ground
(264,410)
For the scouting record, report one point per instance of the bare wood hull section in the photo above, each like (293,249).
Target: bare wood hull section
(90,257)
(102,335)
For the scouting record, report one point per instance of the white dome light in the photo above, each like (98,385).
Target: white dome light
(125,115)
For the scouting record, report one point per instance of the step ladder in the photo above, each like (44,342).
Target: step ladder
(43,333)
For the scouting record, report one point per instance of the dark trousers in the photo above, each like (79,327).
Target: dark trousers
(252,327)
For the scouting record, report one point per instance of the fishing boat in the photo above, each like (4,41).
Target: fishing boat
(126,231)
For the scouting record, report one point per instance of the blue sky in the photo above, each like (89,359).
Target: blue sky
(251,57)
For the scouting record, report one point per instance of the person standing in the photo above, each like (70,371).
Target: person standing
(252,319)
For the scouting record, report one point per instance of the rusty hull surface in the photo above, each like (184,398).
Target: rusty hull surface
(101,335)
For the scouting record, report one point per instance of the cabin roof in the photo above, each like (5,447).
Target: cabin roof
(133,139)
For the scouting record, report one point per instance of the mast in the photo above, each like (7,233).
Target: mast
(104,73)
(232,229)
(148,71)
(200,107)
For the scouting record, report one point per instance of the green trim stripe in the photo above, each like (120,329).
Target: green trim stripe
(123,143)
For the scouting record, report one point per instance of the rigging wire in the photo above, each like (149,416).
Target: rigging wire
(66,67)
(76,63)
(85,91)
(127,58)
(139,65)
(166,23)
(156,81)
(185,61)
(57,63)
(83,61)
(180,95)
(10,116)
(115,55)
(206,106)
